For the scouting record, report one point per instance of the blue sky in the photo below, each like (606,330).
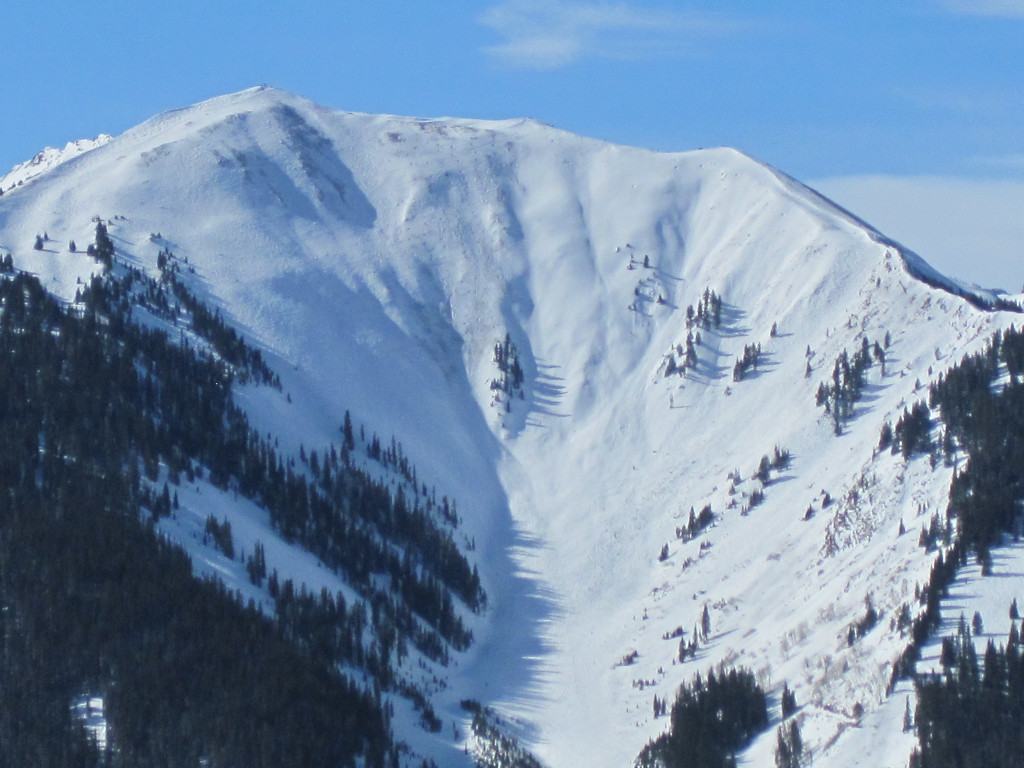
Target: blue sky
(872,101)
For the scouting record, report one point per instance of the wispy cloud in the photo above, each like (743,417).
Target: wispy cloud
(1005,9)
(557,33)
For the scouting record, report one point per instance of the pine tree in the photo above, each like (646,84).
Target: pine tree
(789,746)
(885,438)
(104,246)
(789,705)
(350,442)
(763,470)
(783,753)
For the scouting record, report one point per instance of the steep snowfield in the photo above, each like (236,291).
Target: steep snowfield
(377,260)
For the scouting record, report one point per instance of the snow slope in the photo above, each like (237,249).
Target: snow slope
(47,159)
(377,260)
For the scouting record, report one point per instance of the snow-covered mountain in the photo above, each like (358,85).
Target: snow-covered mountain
(377,262)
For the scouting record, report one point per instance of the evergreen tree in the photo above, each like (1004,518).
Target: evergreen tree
(104,246)
(789,749)
(763,470)
(711,720)
(789,705)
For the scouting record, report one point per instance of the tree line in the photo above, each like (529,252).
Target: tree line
(95,410)
(93,601)
(970,713)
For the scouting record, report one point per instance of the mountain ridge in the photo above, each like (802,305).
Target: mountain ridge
(261,99)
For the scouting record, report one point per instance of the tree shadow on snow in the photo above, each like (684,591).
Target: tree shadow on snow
(731,322)
(510,662)
(547,393)
(779,479)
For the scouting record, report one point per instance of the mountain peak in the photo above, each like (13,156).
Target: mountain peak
(257,96)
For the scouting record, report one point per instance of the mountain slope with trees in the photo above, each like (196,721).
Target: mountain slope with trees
(450,406)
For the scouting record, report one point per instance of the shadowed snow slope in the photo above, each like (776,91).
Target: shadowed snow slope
(377,261)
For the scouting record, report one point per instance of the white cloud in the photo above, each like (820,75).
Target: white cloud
(1007,9)
(970,229)
(556,33)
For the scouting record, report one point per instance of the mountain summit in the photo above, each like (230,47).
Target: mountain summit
(625,366)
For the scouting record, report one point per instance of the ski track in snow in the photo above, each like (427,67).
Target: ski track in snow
(376,260)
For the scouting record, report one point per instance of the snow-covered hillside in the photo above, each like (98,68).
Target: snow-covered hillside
(377,261)
(48,159)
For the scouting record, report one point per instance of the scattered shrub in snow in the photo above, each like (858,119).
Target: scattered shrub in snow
(751,356)
(848,382)
(708,312)
(865,624)
(696,523)
(510,373)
